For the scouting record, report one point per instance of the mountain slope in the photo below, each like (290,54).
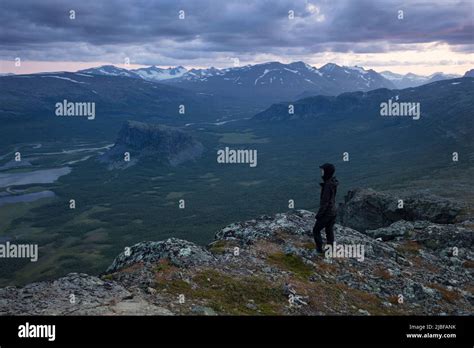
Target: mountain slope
(469,73)
(380,147)
(28,105)
(114,95)
(355,78)
(363,109)
(268,266)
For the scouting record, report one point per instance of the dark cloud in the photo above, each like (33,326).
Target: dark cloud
(148,31)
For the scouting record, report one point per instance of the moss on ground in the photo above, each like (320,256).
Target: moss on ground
(108,277)
(232,295)
(227,294)
(221,246)
(162,265)
(291,263)
(308,245)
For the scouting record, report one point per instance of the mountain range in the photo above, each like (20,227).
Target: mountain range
(413,80)
(210,95)
(152,73)
(353,122)
(275,81)
(271,81)
(357,111)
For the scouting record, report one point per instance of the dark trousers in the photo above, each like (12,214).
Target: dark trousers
(327,223)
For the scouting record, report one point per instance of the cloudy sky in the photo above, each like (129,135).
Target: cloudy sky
(426,37)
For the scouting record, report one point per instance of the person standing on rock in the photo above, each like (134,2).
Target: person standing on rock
(326,216)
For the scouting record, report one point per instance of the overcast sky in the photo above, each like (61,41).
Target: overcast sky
(432,36)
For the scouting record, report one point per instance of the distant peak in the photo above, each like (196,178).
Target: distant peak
(328,67)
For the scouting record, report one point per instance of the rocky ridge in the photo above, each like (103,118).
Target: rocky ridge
(268,266)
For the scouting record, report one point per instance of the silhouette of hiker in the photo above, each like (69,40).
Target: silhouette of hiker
(326,216)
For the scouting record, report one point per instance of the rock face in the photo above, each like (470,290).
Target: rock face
(143,140)
(268,265)
(365,209)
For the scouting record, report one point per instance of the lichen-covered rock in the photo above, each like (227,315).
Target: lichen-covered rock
(179,252)
(74,294)
(400,228)
(430,235)
(366,209)
(299,222)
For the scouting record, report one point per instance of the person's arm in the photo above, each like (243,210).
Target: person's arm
(325,201)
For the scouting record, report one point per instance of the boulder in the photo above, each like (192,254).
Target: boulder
(180,253)
(299,222)
(366,209)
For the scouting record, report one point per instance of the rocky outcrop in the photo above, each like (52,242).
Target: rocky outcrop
(365,209)
(161,143)
(179,252)
(300,222)
(268,265)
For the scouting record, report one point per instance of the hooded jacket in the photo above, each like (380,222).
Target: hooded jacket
(327,203)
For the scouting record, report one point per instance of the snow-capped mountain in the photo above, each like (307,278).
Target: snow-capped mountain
(357,78)
(274,81)
(202,74)
(153,73)
(257,75)
(413,80)
(109,70)
(277,81)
